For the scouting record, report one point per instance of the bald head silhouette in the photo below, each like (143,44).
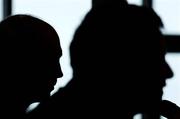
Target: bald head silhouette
(30,51)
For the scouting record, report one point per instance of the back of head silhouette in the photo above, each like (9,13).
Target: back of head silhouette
(30,51)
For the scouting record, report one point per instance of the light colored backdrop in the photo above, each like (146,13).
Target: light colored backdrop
(65,16)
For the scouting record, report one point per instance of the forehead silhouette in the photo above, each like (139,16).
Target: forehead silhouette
(28,35)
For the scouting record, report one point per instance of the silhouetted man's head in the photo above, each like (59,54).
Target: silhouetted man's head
(30,52)
(115,52)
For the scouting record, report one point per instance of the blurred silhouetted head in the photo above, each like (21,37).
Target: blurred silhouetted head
(30,51)
(115,55)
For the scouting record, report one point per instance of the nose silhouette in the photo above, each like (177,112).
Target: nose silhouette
(168,73)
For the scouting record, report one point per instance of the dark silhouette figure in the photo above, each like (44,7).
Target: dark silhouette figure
(30,51)
(115,54)
(170,110)
(116,73)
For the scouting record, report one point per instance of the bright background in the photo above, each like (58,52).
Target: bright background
(66,15)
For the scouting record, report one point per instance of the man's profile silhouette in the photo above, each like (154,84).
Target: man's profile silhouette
(30,51)
(115,59)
